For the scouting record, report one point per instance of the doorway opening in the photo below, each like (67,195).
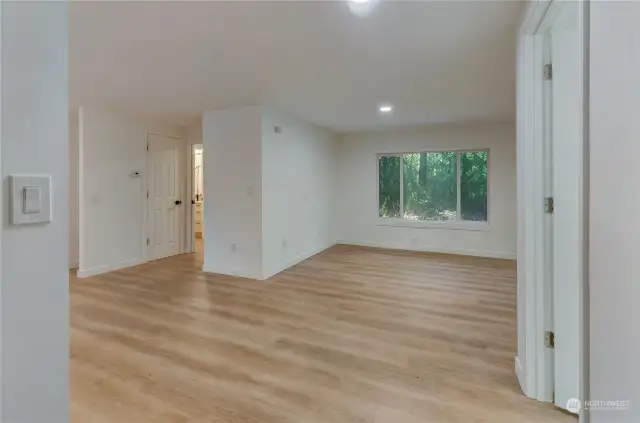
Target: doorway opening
(197,202)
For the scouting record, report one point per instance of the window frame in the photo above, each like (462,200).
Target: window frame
(457,223)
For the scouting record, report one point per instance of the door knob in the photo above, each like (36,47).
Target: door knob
(178,202)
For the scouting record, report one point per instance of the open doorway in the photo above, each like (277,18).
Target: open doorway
(198,199)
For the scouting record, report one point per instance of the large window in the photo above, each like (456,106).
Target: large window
(433,186)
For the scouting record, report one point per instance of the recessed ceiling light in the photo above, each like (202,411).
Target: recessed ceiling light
(362,7)
(385,108)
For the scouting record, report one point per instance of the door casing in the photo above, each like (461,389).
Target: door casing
(535,371)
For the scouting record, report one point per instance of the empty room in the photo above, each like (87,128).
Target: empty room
(359,167)
(353,211)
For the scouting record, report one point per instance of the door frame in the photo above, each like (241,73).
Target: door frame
(145,188)
(190,226)
(535,370)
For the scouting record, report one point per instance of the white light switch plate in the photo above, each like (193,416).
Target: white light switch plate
(30,199)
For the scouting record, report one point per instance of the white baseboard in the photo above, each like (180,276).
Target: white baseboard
(431,249)
(98,270)
(266,274)
(236,273)
(297,260)
(521,376)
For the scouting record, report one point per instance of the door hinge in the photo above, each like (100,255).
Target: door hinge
(147,146)
(548,72)
(147,241)
(147,193)
(549,339)
(548,205)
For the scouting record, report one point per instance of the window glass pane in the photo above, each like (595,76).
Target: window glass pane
(473,185)
(430,186)
(389,186)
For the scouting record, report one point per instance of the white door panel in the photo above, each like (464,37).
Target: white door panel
(567,215)
(165,216)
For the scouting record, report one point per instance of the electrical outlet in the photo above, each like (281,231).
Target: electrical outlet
(233,247)
(284,244)
(414,241)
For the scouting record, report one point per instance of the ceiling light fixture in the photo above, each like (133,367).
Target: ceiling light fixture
(362,7)
(385,108)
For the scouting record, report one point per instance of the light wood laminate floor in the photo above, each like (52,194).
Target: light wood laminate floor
(352,335)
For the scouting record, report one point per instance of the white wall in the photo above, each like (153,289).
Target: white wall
(297,197)
(614,204)
(358,221)
(74,189)
(233,192)
(112,220)
(34,299)
(194,133)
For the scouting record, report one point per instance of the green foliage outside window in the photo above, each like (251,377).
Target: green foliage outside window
(430,186)
(389,186)
(473,185)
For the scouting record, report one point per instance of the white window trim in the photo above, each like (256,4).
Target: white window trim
(457,224)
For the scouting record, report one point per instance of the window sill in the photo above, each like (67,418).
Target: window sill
(455,225)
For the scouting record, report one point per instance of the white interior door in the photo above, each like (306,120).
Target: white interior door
(165,204)
(567,215)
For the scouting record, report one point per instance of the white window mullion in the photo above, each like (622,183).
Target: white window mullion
(401,187)
(459,208)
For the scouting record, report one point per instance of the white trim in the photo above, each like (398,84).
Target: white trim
(535,372)
(145,200)
(189,223)
(458,222)
(536,361)
(459,186)
(530,193)
(430,249)
(455,225)
(85,273)
(520,375)
(544,222)
(233,272)
(584,16)
(534,15)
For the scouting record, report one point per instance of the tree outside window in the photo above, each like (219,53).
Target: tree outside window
(433,186)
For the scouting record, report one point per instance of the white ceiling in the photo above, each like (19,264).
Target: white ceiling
(436,62)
